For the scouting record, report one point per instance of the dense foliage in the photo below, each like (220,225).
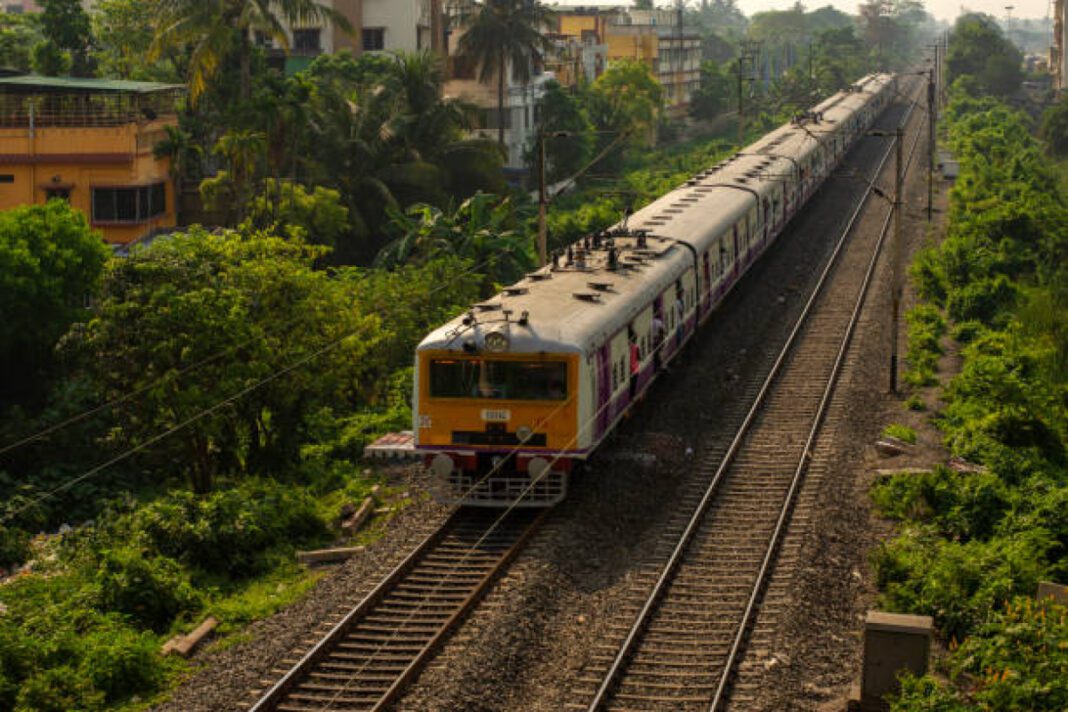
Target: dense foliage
(980,52)
(50,263)
(973,544)
(85,632)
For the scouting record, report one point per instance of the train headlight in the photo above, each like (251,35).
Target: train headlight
(496,342)
(523,432)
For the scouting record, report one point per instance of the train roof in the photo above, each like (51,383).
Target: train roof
(573,308)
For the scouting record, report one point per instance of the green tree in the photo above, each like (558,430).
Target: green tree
(184,154)
(18,36)
(562,113)
(255,299)
(502,36)
(49,60)
(1054,130)
(316,216)
(66,25)
(50,263)
(124,30)
(977,48)
(626,100)
(216,30)
(713,96)
(243,152)
(484,230)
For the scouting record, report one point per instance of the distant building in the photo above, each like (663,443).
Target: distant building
(377,26)
(660,38)
(657,38)
(19,7)
(90,142)
(521,99)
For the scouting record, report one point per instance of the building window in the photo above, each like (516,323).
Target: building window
(374,39)
(57,194)
(129,204)
(7,178)
(307,41)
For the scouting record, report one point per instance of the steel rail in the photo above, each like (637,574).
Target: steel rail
(806,454)
(322,649)
(697,518)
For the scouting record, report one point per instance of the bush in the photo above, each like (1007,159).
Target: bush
(983,300)
(121,663)
(961,505)
(231,531)
(14,547)
(900,432)
(153,591)
(959,584)
(58,689)
(924,694)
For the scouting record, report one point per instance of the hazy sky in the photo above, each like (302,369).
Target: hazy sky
(942,9)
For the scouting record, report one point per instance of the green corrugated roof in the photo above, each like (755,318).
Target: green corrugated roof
(32,81)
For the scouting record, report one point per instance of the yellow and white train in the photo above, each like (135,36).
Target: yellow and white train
(511,394)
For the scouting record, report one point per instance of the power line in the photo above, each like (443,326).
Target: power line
(7,517)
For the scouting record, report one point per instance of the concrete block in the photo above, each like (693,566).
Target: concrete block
(893,643)
(1058,592)
(185,644)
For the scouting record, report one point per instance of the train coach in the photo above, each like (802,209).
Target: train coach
(511,395)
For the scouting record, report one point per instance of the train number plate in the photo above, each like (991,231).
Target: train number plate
(496,415)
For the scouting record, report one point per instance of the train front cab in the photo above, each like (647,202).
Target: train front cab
(498,428)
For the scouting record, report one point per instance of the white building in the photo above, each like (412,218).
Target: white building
(521,99)
(520,115)
(378,26)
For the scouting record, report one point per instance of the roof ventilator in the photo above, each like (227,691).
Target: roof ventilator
(587,296)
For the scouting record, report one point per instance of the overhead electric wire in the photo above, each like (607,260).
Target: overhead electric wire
(10,515)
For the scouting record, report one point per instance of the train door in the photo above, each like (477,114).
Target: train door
(604,388)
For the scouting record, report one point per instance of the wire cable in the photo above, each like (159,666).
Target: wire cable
(12,514)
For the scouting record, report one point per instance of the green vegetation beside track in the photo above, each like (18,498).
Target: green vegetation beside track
(973,542)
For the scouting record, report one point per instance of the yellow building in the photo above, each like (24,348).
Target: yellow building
(90,142)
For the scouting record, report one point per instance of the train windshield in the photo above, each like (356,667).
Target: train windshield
(499,380)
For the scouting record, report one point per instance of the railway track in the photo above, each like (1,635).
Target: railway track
(692,612)
(379,646)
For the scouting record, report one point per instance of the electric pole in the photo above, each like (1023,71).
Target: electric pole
(543,201)
(898,250)
(932,108)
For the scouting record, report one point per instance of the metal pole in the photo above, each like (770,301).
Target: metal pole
(930,141)
(741,99)
(899,139)
(543,246)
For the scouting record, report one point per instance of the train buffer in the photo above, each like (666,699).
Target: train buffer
(393,446)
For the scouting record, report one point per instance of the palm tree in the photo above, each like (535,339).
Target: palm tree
(184,152)
(215,29)
(502,34)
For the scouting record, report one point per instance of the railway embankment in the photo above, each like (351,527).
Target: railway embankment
(974,538)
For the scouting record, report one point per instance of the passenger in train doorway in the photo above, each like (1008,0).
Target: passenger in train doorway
(635,362)
(659,332)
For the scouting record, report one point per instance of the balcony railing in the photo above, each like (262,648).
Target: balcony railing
(79,110)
